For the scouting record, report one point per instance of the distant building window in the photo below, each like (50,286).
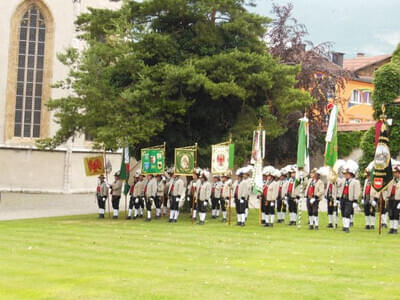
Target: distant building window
(367,97)
(28,104)
(354,121)
(355,97)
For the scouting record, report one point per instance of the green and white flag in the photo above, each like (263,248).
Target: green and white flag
(303,156)
(124,171)
(331,139)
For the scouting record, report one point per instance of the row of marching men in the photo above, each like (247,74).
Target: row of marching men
(283,190)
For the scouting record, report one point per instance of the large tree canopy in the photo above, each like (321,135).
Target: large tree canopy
(180,71)
(387,89)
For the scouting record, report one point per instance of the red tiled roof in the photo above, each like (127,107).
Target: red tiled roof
(353,126)
(360,62)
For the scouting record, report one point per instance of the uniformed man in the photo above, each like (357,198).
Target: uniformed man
(243,195)
(289,190)
(331,207)
(236,184)
(393,199)
(116,188)
(216,190)
(167,198)
(314,193)
(132,196)
(369,200)
(102,194)
(159,195)
(280,200)
(226,194)
(191,192)
(150,192)
(138,194)
(270,193)
(203,196)
(176,191)
(350,194)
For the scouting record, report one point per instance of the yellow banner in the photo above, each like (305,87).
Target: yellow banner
(94,165)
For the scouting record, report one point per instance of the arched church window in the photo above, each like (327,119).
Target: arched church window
(31,52)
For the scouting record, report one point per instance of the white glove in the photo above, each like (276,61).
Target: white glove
(373,203)
(178,199)
(241,200)
(398,206)
(337,202)
(363,201)
(104,199)
(205,203)
(188,198)
(272,203)
(151,199)
(355,205)
(312,200)
(286,199)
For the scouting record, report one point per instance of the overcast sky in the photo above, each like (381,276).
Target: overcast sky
(368,26)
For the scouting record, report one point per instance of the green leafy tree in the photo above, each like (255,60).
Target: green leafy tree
(387,89)
(180,71)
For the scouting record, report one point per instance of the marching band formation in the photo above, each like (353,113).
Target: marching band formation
(287,190)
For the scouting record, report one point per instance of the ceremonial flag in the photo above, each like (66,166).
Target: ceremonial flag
(331,148)
(153,160)
(185,160)
(124,171)
(222,158)
(303,158)
(382,173)
(258,154)
(94,165)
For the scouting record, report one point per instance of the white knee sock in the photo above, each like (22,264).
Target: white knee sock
(202,216)
(316,220)
(224,214)
(115,212)
(217,212)
(311,219)
(330,218)
(194,214)
(384,219)
(158,212)
(135,212)
(272,217)
(176,214)
(396,224)
(372,220)
(129,212)
(246,213)
(149,214)
(366,220)
(171,214)
(101,211)
(391,224)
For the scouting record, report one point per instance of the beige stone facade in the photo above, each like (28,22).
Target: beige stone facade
(25,168)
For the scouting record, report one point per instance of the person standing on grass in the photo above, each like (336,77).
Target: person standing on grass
(192,192)
(167,182)
(394,201)
(270,192)
(280,203)
(216,190)
(236,194)
(314,192)
(102,193)
(159,195)
(138,190)
(226,194)
(150,192)
(203,196)
(331,203)
(176,191)
(369,200)
(244,195)
(132,196)
(350,194)
(116,188)
(289,191)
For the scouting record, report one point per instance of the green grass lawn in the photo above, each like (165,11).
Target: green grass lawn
(81,257)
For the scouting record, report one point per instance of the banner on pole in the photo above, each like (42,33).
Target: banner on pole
(94,165)
(185,160)
(153,160)
(222,158)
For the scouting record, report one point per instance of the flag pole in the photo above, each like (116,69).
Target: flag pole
(380,212)
(259,211)
(108,196)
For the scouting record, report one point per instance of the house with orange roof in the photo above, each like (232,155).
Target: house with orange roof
(357,108)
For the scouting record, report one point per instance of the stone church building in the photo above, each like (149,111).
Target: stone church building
(33,32)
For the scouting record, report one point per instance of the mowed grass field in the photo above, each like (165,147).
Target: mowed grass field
(81,257)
